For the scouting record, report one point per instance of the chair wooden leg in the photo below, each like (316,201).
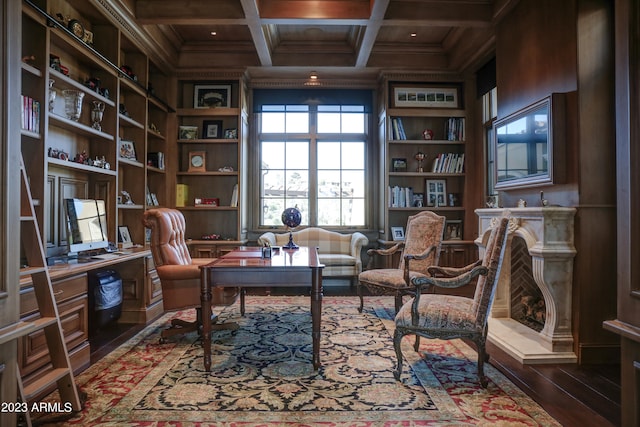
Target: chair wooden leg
(482,357)
(397,341)
(360,296)
(243,293)
(398,301)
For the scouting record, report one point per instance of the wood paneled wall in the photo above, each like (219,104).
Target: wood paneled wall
(544,47)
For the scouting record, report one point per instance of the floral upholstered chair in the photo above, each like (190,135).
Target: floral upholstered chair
(420,250)
(448,316)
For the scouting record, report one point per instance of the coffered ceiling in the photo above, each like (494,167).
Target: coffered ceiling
(327,36)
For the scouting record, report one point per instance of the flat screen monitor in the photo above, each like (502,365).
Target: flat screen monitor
(86,225)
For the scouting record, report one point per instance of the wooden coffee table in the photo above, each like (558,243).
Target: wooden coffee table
(244,267)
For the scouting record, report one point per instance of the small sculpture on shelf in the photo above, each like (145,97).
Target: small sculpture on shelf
(127,197)
(97,113)
(52,94)
(419,157)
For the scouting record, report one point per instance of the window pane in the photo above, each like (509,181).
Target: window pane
(272,155)
(353,155)
(328,212)
(272,122)
(273,183)
(328,155)
(297,184)
(329,183)
(272,211)
(297,155)
(297,122)
(328,122)
(353,212)
(353,123)
(353,184)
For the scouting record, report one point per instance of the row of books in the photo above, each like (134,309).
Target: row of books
(448,163)
(30,114)
(156,159)
(453,129)
(404,197)
(182,196)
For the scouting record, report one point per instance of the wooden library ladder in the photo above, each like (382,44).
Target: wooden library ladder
(49,321)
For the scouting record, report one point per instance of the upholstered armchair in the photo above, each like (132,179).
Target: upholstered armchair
(180,274)
(420,249)
(442,316)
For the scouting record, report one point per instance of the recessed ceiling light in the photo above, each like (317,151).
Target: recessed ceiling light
(413,34)
(214,33)
(313,75)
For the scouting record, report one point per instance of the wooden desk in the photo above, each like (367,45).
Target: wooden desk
(245,267)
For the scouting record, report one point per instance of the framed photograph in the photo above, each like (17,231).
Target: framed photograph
(197,161)
(127,150)
(211,96)
(188,132)
(414,95)
(436,192)
(124,237)
(399,165)
(453,230)
(231,133)
(397,233)
(212,129)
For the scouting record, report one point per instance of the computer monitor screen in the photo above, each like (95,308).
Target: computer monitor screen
(86,225)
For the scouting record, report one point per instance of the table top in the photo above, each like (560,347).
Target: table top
(251,257)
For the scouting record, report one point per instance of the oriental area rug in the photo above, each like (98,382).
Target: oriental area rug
(262,375)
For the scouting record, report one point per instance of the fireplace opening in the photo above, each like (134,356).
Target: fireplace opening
(527,301)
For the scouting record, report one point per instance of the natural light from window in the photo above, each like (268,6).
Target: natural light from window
(321,172)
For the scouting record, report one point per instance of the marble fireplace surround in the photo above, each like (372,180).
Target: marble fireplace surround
(548,233)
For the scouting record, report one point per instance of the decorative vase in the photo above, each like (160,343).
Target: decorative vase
(52,94)
(97,112)
(73,103)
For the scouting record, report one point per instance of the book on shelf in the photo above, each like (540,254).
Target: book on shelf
(156,159)
(448,163)
(234,197)
(182,195)
(398,129)
(454,129)
(30,114)
(401,197)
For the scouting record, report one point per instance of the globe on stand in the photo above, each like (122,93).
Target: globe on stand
(291,217)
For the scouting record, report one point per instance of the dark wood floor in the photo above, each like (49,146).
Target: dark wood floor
(576,396)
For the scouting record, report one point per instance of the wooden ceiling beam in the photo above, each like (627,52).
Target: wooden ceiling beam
(371,32)
(441,13)
(257,32)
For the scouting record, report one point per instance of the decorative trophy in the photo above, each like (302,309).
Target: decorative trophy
(291,217)
(73,103)
(96,114)
(52,94)
(419,157)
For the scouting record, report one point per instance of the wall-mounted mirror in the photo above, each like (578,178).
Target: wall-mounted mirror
(530,145)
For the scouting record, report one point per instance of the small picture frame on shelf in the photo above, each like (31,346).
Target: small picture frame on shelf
(154,200)
(230,133)
(188,132)
(436,192)
(412,95)
(453,229)
(397,234)
(211,96)
(127,150)
(212,129)
(124,237)
(399,165)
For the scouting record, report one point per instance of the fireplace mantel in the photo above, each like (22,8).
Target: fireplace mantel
(548,233)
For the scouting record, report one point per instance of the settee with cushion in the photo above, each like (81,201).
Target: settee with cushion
(339,252)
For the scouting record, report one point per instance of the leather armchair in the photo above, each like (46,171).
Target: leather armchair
(180,274)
